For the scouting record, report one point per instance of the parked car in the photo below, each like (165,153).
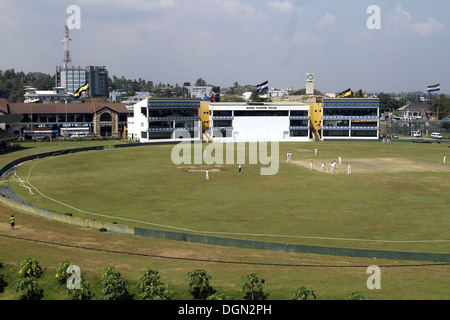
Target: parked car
(436,135)
(416,134)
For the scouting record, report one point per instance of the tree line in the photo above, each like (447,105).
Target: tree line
(12,85)
(149,285)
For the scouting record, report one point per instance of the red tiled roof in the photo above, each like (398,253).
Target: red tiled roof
(3,107)
(55,108)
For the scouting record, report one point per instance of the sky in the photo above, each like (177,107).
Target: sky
(402,46)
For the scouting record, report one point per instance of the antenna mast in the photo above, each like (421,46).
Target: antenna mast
(67,59)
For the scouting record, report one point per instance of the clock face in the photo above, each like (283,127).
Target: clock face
(310,77)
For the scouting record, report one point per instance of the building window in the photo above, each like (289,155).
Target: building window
(260,113)
(364,133)
(223,123)
(335,133)
(223,113)
(299,123)
(106,117)
(299,133)
(299,113)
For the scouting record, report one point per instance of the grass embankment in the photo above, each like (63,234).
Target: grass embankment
(331,278)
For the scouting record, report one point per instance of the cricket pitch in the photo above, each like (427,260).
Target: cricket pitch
(388,165)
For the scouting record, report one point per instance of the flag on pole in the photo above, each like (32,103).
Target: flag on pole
(263,86)
(81,89)
(345,93)
(436,87)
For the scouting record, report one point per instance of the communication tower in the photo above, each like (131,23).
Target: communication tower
(67,59)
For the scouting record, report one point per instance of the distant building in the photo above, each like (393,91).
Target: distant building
(9,126)
(73,78)
(131,100)
(115,95)
(278,93)
(202,92)
(415,110)
(98,119)
(57,95)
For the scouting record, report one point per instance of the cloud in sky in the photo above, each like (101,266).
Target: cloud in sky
(401,22)
(245,41)
(285,6)
(327,20)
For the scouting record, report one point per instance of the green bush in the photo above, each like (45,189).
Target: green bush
(113,286)
(83,293)
(30,267)
(303,294)
(199,287)
(3,283)
(30,289)
(252,287)
(61,272)
(355,296)
(152,288)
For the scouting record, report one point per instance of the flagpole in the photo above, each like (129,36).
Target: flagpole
(439,102)
(435,88)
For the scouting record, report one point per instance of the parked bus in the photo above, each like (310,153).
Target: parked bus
(75,132)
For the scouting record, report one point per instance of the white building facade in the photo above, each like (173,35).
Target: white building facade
(165,120)
(57,95)
(252,122)
(350,118)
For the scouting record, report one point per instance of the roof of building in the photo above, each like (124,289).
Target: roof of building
(55,108)
(416,106)
(350,100)
(3,105)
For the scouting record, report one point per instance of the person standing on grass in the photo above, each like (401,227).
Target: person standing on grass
(13,222)
(445,159)
(340,160)
(240,169)
(349,169)
(311,165)
(315,151)
(323,166)
(207,174)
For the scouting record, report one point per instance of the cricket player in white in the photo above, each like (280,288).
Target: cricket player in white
(349,169)
(207,174)
(323,166)
(315,151)
(340,160)
(311,165)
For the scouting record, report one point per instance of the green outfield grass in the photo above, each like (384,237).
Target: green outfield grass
(400,196)
(142,184)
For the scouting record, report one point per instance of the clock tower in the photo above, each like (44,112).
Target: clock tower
(310,84)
